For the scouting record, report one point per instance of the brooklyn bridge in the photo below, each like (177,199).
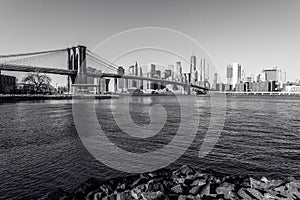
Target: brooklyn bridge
(74,62)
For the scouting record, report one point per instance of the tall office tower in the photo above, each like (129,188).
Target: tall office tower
(271,74)
(151,70)
(141,81)
(193,68)
(136,69)
(158,73)
(168,74)
(207,72)
(243,78)
(170,70)
(215,81)
(274,74)
(229,74)
(237,74)
(178,71)
(215,78)
(281,76)
(202,68)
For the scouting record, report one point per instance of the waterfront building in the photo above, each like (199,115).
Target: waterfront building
(292,88)
(220,87)
(7,84)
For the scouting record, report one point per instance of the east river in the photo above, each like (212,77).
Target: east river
(40,149)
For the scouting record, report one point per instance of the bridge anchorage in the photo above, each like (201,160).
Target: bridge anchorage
(80,65)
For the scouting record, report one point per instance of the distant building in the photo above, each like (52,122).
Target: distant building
(237,74)
(275,74)
(158,73)
(193,68)
(202,70)
(206,73)
(7,84)
(271,74)
(261,77)
(292,88)
(229,74)
(215,81)
(25,88)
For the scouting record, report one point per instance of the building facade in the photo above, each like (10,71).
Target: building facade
(7,84)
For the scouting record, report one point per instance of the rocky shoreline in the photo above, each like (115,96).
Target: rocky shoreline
(184,183)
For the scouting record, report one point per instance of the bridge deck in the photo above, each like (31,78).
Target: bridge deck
(23,68)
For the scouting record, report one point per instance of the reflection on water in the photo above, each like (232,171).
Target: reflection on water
(40,149)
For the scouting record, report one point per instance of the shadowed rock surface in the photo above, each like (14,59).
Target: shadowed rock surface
(185,184)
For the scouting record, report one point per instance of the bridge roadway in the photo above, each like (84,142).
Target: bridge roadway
(24,68)
(48,70)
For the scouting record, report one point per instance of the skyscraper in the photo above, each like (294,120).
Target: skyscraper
(202,70)
(206,72)
(215,78)
(229,74)
(193,68)
(236,74)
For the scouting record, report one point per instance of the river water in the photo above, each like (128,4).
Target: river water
(40,148)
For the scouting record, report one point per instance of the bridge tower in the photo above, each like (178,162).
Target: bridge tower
(77,62)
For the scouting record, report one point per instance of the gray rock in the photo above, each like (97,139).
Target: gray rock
(205,190)
(269,196)
(244,195)
(178,180)
(126,195)
(154,186)
(188,197)
(184,171)
(227,189)
(195,190)
(98,196)
(91,195)
(136,193)
(255,193)
(110,197)
(198,182)
(256,184)
(154,196)
(177,189)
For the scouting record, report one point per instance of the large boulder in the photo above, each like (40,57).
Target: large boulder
(205,190)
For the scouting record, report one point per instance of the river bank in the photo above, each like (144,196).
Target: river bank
(26,97)
(183,183)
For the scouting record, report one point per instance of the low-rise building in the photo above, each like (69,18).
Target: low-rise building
(7,84)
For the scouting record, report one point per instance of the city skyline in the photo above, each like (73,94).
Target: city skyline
(230,32)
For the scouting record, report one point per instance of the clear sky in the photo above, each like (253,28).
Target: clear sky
(255,33)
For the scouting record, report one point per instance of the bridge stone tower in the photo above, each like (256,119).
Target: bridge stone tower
(77,62)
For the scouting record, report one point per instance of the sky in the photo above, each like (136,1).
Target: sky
(257,34)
